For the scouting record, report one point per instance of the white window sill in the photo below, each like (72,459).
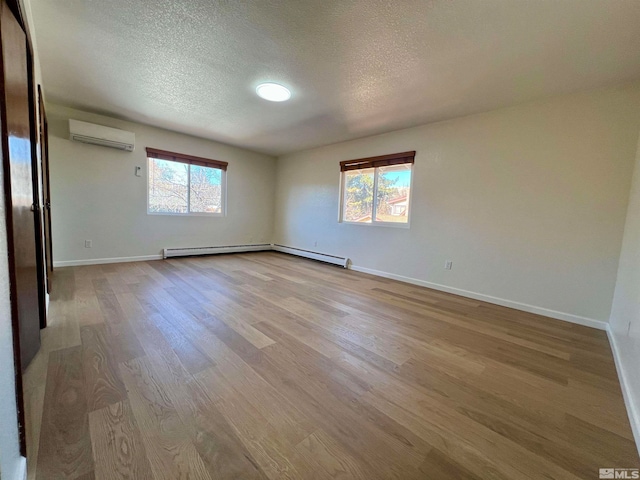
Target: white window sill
(377,224)
(194,214)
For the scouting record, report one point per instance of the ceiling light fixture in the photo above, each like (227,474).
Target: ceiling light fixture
(273,92)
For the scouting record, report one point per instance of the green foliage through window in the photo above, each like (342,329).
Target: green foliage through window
(390,186)
(180,188)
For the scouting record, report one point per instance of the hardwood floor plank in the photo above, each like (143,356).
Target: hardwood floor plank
(125,343)
(102,377)
(310,363)
(351,427)
(507,455)
(332,457)
(88,308)
(222,453)
(284,416)
(218,444)
(601,443)
(304,332)
(219,448)
(190,357)
(558,452)
(437,466)
(460,451)
(243,328)
(291,424)
(117,444)
(65,444)
(531,391)
(251,426)
(87,476)
(166,440)
(107,301)
(385,347)
(268,366)
(65,331)
(145,330)
(34,402)
(204,321)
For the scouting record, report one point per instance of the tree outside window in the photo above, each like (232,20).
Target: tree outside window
(182,188)
(389,186)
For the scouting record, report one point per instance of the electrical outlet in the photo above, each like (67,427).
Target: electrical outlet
(448,265)
(88,244)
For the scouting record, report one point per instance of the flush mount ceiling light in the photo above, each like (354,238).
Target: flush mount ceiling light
(273,92)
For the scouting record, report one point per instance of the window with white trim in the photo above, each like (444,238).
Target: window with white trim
(185,185)
(377,190)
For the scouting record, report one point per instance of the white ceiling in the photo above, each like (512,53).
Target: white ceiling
(355,67)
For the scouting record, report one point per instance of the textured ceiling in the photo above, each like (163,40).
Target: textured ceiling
(355,67)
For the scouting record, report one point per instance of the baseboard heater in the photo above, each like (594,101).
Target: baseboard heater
(323,257)
(191,251)
(187,252)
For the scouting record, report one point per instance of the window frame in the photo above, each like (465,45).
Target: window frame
(154,154)
(404,158)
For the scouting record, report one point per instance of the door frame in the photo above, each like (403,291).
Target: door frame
(15,326)
(15,8)
(43,136)
(36,185)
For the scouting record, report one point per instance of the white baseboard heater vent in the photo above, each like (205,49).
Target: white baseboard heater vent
(191,251)
(186,252)
(323,257)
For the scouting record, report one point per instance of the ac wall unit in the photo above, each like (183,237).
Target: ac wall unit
(100,135)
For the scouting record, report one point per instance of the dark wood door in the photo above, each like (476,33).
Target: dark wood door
(18,184)
(46,211)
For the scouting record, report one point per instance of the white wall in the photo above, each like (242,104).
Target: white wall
(96,196)
(528,202)
(625,312)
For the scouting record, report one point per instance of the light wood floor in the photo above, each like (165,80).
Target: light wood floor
(263,365)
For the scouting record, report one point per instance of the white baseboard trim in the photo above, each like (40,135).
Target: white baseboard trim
(567,317)
(101,261)
(632,404)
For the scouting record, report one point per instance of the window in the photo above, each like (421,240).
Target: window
(185,185)
(376,190)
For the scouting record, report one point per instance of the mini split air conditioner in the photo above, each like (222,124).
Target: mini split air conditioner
(100,135)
